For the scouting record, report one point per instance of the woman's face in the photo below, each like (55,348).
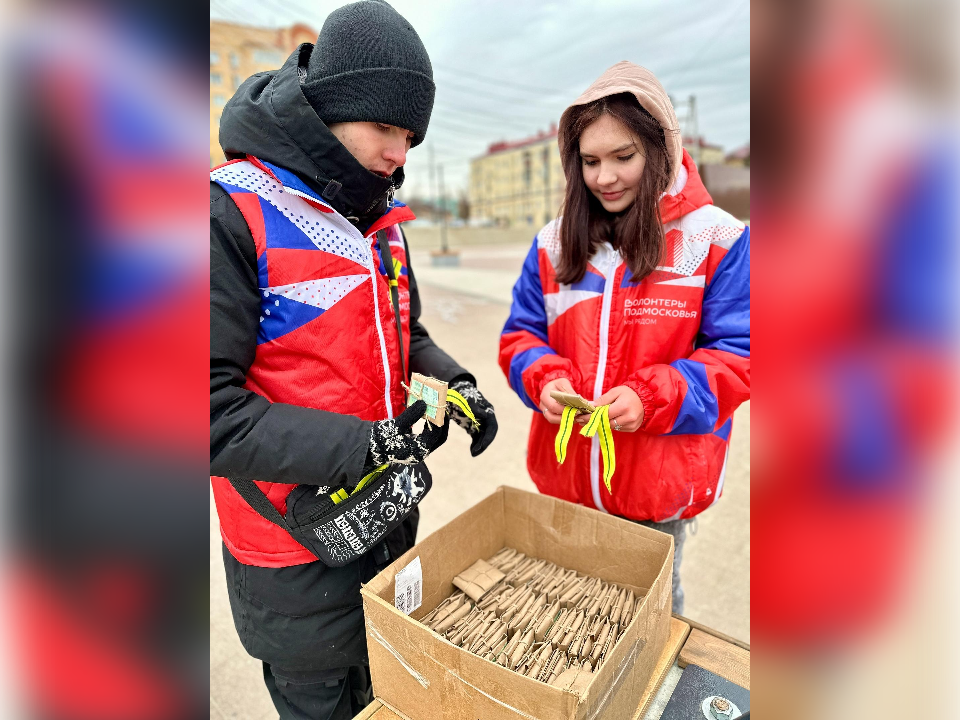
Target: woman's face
(612,161)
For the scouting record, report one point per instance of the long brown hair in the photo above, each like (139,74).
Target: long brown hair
(637,232)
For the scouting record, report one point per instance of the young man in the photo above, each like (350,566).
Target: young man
(306,360)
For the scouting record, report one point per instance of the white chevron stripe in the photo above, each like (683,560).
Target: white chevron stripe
(709,224)
(323,293)
(559,302)
(321,228)
(695,281)
(692,254)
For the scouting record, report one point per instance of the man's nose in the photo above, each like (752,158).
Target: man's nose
(396,154)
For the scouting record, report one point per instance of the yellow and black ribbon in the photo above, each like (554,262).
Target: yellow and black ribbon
(566,430)
(461,402)
(340,495)
(368,478)
(598,424)
(397,267)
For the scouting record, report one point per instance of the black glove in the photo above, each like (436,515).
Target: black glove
(483,434)
(391,441)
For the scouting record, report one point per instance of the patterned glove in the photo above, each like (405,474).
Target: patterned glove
(391,441)
(485,429)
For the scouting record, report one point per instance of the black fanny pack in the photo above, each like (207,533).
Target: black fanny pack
(339,532)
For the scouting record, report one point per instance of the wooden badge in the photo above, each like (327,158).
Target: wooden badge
(433,392)
(574,401)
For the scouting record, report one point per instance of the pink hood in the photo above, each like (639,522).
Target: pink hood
(625,77)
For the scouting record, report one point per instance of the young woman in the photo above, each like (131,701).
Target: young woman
(638,299)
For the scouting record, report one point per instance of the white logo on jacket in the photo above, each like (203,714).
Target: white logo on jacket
(698,230)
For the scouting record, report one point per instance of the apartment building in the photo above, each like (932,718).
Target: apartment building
(518,183)
(236,53)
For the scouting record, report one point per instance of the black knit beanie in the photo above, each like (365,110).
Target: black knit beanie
(370,65)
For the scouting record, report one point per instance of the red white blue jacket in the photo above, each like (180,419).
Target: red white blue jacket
(680,338)
(327,337)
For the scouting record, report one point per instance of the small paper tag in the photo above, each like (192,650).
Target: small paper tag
(409,587)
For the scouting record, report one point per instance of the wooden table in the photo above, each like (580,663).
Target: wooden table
(689,643)
(720,654)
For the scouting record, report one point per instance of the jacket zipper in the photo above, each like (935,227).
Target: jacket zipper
(389,195)
(384,358)
(609,271)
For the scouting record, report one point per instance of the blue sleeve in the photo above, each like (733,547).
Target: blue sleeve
(723,348)
(524,337)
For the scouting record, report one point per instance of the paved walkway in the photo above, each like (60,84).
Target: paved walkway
(464,310)
(488,273)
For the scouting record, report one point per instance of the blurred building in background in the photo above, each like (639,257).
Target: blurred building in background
(518,182)
(703,152)
(729,186)
(740,156)
(521,182)
(236,53)
(726,176)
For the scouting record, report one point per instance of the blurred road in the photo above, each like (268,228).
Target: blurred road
(464,311)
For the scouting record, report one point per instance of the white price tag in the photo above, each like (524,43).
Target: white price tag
(409,588)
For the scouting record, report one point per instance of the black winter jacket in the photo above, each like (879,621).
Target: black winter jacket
(304,617)
(270,119)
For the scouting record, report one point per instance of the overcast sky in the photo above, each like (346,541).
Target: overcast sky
(507,68)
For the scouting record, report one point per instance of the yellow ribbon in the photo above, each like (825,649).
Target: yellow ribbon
(566,430)
(452,396)
(340,495)
(461,402)
(599,423)
(397,266)
(368,478)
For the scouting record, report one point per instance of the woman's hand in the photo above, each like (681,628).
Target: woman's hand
(552,410)
(626,410)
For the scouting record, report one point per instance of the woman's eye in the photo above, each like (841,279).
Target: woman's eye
(624,158)
(382,127)
(590,163)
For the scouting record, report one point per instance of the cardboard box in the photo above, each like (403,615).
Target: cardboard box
(378,711)
(427,678)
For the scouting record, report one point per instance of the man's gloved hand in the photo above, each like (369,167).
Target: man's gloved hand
(482,434)
(391,441)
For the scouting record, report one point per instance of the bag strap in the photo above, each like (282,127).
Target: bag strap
(248,489)
(387,259)
(255,497)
